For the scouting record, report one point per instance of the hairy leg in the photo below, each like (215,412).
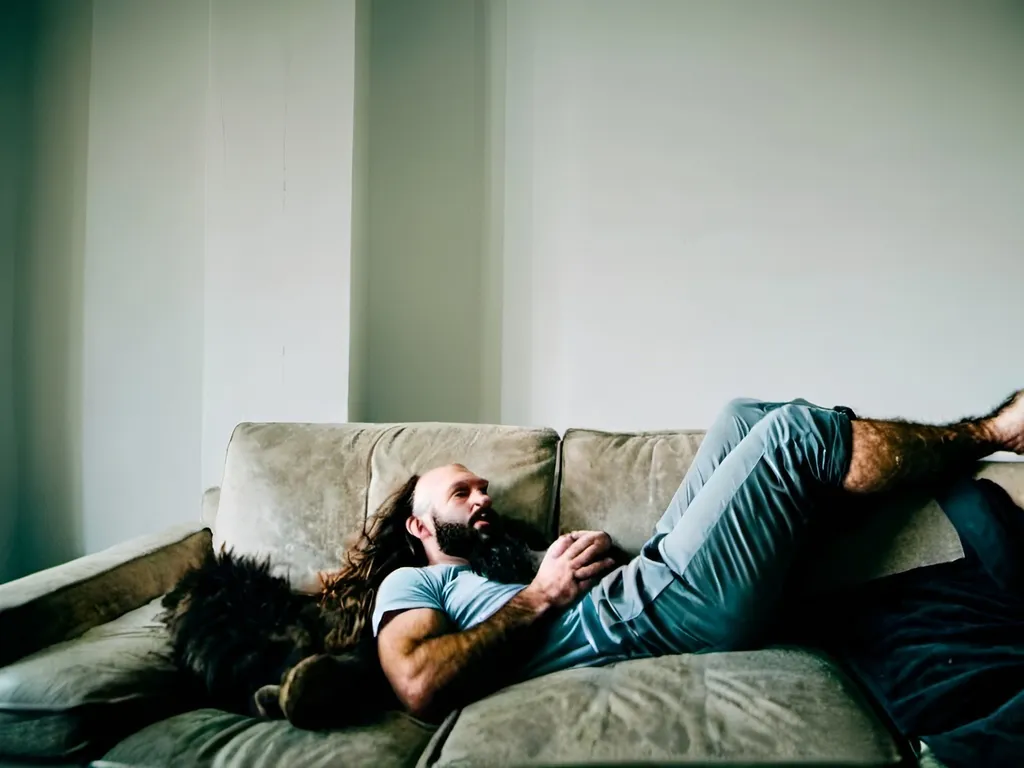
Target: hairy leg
(729,555)
(890,454)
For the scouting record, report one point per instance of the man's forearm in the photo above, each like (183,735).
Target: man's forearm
(442,669)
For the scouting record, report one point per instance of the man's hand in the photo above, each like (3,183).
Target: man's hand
(570,567)
(433,668)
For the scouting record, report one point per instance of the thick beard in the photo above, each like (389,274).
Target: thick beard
(496,555)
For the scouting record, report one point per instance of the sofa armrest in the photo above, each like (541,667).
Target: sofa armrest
(62,602)
(211,502)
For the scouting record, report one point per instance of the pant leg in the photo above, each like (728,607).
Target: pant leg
(730,554)
(733,424)
(626,594)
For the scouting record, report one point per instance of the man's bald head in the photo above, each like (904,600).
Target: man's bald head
(448,502)
(433,487)
(453,519)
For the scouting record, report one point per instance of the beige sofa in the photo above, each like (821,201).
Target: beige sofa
(83,672)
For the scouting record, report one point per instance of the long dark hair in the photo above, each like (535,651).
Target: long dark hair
(383,546)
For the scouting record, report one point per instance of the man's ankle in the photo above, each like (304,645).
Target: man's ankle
(988,434)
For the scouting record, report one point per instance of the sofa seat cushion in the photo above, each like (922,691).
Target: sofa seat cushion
(772,706)
(82,695)
(212,737)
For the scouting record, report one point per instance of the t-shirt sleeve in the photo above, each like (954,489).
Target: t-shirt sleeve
(406,588)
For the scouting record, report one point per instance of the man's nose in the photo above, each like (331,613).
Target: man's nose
(480,500)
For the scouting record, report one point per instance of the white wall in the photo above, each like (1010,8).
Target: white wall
(182,239)
(621,213)
(770,199)
(359,392)
(279,152)
(427,310)
(143,290)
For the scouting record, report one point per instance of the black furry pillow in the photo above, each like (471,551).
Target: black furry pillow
(236,628)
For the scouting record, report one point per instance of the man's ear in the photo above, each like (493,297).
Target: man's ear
(417,527)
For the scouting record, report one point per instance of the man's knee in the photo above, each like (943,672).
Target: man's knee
(753,409)
(810,436)
(746,410)
(792,417)
(741,404)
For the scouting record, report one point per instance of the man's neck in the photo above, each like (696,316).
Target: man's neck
(441,558)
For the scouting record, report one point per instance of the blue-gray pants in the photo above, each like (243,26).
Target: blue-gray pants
(712,575)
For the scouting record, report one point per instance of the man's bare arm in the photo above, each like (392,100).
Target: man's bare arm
(433,669)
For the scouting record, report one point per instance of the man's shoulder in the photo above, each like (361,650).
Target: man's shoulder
(414,587)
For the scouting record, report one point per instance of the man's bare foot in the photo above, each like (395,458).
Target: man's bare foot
(333,691)
(1008,423)
(315,691)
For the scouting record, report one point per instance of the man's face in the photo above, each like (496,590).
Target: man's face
(458,499)
(453,504)
(460,514)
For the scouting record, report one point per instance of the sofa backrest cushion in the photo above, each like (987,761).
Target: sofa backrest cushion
(622,483)
(519,463)
(294,492)
(299,493)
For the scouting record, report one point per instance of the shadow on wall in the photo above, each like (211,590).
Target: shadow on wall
(14,54)
(46,68)
(433,309)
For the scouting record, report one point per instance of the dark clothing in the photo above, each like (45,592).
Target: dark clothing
(942,647)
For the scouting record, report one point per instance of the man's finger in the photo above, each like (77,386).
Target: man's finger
(560,545)
(586,557)
(596,550)
(580,544)
(594,569)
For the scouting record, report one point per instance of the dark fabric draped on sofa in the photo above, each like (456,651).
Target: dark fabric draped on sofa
(942,647)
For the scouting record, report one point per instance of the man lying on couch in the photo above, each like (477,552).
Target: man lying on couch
(709,579)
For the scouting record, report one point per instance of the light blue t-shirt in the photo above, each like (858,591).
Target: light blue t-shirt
(468,599)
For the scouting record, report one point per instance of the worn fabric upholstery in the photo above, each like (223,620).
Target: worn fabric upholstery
(211,500)
(928,759)
(210,737)
(295,493)
(882,536)
(873,538)
(64,601)
(518,462)
(86,693)
(1009,474)
(298,492)
(623,482)
(779,704)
